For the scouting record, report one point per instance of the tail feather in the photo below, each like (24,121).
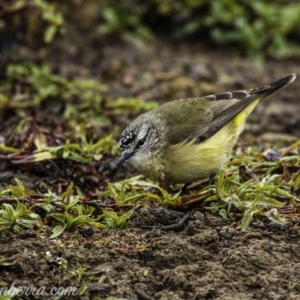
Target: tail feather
(274,85)
(254,96)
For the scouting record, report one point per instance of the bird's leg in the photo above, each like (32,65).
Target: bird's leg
(211,179)
(163,184)
(184,188)
(162,180)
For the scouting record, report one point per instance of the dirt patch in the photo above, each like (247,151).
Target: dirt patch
(208,260)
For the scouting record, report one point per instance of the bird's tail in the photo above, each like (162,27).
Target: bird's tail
(273,86)
(241,109)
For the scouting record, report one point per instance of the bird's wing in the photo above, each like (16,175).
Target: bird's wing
(196,115)
(199,122)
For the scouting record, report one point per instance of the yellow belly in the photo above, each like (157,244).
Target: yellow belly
(188,162)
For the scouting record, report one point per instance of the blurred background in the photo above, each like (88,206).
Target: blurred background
(155,50)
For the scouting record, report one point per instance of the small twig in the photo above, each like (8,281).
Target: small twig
(179,225)
(188,200)
(13,200)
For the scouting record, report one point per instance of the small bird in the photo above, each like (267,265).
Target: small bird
(186,140)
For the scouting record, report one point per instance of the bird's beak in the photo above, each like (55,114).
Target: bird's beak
(123,158)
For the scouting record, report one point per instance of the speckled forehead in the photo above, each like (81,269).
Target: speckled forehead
(126,138)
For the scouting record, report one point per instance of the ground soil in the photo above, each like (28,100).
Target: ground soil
(208,259)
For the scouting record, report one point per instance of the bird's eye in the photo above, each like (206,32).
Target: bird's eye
(141,142)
